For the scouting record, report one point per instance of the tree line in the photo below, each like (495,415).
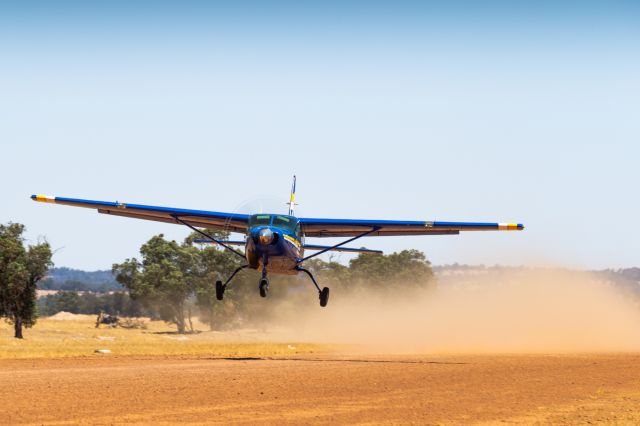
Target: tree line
(113,303)
(175,282)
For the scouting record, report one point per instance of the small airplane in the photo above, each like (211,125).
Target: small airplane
(275,243)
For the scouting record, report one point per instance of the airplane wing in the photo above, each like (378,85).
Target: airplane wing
(313,227)
(232,222)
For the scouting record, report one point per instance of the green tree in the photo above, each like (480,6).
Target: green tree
(163,280)
(330,273)
(20,271)
(405,269)
(408,269)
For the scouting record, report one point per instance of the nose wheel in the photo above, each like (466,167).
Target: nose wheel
(263,287)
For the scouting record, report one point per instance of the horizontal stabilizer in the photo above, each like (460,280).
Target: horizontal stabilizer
(306,246)
(231,243)
(345,249)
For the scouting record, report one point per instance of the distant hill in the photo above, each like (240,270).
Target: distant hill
(77,280)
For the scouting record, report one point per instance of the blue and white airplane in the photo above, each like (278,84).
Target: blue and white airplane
(275,243)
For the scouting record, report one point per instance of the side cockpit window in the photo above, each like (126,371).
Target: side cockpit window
(285,222)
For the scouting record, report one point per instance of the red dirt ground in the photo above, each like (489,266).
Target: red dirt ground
(336,389)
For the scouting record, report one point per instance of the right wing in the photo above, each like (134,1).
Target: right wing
(316,227)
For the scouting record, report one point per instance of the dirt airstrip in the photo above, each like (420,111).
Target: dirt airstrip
(429,389)
(341,365)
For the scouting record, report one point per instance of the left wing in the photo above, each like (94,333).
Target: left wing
(313,227)
(232,222)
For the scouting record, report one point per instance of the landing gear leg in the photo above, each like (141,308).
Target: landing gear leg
(264,281)
(220,288)
(324,293)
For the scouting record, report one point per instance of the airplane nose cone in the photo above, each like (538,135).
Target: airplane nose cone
(265,236)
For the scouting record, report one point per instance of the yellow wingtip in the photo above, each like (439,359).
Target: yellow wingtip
(43,198)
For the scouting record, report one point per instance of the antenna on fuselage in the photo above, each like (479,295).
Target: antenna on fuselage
(292,199)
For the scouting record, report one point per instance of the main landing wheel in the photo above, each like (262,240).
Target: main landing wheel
(219,290)
(324,296)
(264,287)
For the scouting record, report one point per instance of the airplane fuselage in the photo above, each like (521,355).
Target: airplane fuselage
(274,240)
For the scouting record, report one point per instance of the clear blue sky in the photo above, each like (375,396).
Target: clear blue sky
(403,110)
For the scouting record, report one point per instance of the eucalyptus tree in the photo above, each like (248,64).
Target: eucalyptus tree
(162,280)
(21,268)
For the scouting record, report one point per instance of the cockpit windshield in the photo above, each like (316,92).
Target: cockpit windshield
(259,219)
(287,223)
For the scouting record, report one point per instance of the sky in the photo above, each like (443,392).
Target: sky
(502,111)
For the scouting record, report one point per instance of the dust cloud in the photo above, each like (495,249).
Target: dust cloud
(512,311)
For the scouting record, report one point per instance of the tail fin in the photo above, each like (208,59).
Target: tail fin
(292,199)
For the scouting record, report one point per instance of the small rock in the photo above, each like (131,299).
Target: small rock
(103,351)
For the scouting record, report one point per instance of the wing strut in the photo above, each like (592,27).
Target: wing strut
(208,236)
(364,234)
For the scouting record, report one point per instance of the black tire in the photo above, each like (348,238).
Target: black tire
(324,297)
(219,290)
(264,287)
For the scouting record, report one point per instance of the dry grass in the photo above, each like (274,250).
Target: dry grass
(78,337)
